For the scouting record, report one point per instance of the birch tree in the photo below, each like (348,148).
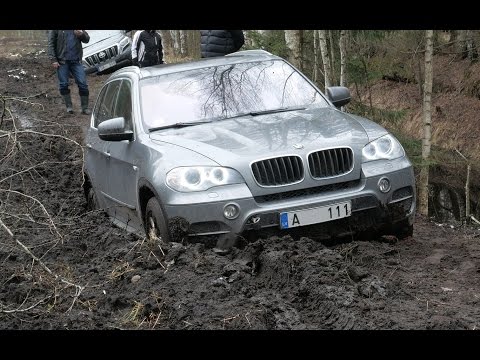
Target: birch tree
(175,34)
(293,39)
(343,54)
(427,131)
(322,39)
(316,57)
(331,52)
(183,42)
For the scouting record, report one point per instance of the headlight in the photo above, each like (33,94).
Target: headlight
(386,147)
(200,178)
(123,43)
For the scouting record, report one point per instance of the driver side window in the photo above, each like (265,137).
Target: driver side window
(123,107)
(104,109)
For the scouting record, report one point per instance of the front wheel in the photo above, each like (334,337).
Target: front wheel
(155,223)
(403,230)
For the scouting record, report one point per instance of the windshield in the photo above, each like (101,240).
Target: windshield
(224,91)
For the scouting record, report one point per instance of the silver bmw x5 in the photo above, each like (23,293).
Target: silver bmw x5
(229,145)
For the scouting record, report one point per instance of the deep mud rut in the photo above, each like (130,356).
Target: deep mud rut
(88,274)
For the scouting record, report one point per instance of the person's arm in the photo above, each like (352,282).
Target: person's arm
(238,38)
(52,47)
(85,37)
(135,47)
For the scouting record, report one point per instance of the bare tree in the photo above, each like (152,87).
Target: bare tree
(427,131)
(293,39)
(316,51)
(465,44)
(343,54)
(322,39)
(331,52)
(175,34)
(183,43)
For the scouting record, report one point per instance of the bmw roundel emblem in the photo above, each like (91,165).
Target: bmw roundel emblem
(298,146)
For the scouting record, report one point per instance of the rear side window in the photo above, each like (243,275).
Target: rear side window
(104,108)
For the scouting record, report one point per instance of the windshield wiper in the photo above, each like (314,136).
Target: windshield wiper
(263,112)
(178,125)
(273,111)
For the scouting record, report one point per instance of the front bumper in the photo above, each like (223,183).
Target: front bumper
(123,59)
(370,207)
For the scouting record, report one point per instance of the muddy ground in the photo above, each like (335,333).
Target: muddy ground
(62,267)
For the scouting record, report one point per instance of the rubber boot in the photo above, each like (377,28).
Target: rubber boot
(68,103)
(84,104)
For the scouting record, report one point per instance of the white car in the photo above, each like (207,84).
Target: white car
(107,50)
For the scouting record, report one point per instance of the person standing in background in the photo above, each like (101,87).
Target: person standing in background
(147,49)
(65,52)
(220,42)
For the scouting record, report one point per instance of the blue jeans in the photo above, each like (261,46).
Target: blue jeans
(78,72)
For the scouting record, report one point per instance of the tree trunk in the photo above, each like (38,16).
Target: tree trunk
(294,45)
(175,34)
(343,54)
(315,57)
(183,43)
(367,84)
(427,131)
(332,57)
(322,39)
(471,48)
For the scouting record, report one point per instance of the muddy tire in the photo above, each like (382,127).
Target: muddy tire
(403,230)
(155,223)
(91,197)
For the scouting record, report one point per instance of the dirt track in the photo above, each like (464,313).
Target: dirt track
(103,278)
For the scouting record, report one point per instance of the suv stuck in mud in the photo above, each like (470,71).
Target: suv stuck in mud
(242,142)
(107,50)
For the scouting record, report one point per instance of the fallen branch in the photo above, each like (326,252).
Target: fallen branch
(78,288)
(6,228)
(52,224)
(26,309)
(473,218)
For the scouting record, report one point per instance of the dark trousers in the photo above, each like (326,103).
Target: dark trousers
(78,72)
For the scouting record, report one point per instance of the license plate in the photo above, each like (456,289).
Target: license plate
(317,215)
(107,65)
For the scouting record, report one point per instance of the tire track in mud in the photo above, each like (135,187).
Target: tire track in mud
(307,285)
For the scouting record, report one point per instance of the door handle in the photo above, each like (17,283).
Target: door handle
(106,153)
(89,146)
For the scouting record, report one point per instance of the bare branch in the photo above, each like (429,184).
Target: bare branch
(40,204)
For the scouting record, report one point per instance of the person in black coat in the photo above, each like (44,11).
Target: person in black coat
(220,42)
(147,49)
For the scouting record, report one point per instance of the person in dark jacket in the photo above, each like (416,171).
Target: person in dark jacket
(65,52)
(220,42)
(147,49)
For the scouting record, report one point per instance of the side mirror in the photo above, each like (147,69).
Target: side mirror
(114,130)
(338,95)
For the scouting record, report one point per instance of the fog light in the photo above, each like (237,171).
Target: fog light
(384,185)
(231,211)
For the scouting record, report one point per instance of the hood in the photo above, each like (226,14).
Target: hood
(295,132)
(101,39)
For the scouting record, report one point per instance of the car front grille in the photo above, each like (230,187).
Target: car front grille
(278,171)
(102,56)
(331,162)
(324,189)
